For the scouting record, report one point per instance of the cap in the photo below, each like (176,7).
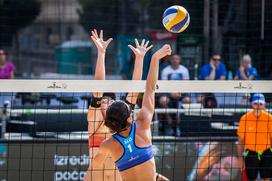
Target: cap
(258,98)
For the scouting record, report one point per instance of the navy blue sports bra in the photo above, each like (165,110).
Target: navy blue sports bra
(132,155)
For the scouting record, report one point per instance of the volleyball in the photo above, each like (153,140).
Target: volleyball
(175,19)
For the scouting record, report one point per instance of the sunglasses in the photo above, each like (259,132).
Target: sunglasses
(216,59)
(107,101)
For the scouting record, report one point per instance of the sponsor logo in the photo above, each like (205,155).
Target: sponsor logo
(71,160)
(54,85)
(75,175)
(244,86)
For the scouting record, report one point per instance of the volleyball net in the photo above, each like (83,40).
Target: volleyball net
(44,127)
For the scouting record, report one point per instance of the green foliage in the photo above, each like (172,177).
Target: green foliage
(99,14)
(131,16)
(15,15)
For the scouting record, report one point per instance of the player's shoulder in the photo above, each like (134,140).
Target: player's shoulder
(108,143)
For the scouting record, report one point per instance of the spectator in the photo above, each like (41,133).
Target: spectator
(255,136)
(174,71)
(246,71)
(6,68)
(215,70)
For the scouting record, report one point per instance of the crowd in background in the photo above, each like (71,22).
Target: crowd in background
(172,69)
(6,67)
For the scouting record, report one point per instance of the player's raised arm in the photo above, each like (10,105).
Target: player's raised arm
(101,46)
(139,52)
(148,105)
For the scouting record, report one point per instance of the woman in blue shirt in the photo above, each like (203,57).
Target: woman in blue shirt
(215,70)
(246,71)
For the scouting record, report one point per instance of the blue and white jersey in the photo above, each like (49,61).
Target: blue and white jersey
(132,155)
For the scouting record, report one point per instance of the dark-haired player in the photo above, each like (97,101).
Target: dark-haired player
(131,145)
(96,113)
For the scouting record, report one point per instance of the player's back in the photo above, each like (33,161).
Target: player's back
(133,154)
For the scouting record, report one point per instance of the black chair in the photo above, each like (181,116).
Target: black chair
(28,98)
(47,98)
(66,100)
(86,98)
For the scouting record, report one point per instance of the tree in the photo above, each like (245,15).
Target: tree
(99,14)
(15,15)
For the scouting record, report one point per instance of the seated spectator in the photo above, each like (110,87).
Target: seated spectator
(174,71)
(246,71)
(208,100)
(6,68)
(215,70)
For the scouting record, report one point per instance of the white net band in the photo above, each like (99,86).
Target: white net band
(118,86)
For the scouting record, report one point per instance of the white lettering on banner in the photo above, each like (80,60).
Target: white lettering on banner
(66,176)
(72,160)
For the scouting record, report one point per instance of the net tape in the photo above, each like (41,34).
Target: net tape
(134,86)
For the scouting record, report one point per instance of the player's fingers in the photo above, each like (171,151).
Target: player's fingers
(146,44)
(148,48)
(101,34)
(132,48)
(136,42)
(95,32)
(143,42)
(94,40)
(108,41)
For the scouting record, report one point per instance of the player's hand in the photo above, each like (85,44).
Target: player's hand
(100,44)
(140,50)
(162,52)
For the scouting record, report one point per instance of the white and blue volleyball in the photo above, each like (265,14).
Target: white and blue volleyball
(176,19)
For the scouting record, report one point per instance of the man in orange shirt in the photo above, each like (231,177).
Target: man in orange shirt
(255,136)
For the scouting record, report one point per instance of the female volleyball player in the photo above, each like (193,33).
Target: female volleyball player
(131,145)
(97,131)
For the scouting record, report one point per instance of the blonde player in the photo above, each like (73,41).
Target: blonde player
(97,132)
(131,145)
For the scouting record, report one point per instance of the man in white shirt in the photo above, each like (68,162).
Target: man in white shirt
(174,71)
